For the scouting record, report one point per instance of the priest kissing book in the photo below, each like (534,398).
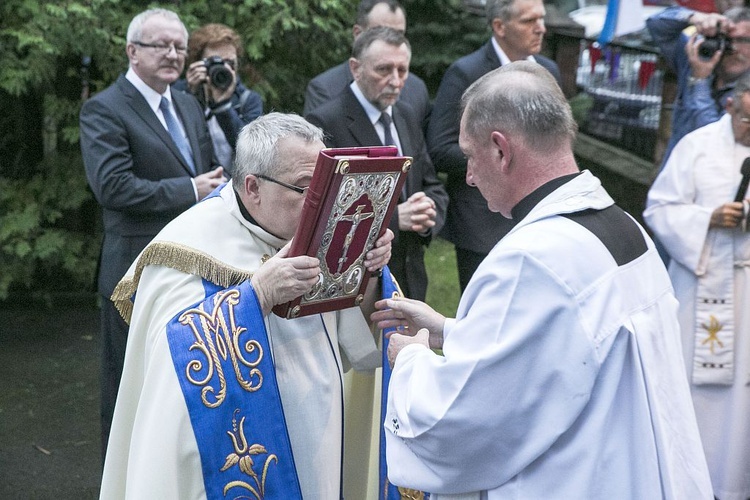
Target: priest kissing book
(349,204)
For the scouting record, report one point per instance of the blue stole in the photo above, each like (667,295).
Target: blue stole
(386,490)
(223,361)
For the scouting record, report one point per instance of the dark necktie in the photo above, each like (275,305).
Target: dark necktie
(385,120)
(174,131)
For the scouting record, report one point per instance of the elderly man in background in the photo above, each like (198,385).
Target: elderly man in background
(148,156)
(199,413)
(517,34)
(698,207)
(332,82)
(369,112)
(561,376)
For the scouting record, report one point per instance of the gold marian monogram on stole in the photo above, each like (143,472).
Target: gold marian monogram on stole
(217,338)
(410,494)
(243,457)
(713,328)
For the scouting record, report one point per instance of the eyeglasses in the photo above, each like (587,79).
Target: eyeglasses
(296,189)
(741,39)
(162,49)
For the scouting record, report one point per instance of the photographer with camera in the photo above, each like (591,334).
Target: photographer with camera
(214,51)
(708,52)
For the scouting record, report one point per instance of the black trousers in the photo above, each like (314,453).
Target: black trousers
(467,262)
(114,339)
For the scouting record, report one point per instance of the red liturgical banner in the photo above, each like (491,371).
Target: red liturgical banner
(349,204)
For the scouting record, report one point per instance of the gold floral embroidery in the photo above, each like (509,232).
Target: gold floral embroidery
(217,338)
(713,328)
(242,457)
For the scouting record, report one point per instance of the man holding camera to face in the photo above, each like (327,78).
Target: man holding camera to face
(708,52)
(213,54)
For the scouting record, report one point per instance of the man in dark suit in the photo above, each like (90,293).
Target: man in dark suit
(517,32)
(148,156)
(369,113)
(330,83)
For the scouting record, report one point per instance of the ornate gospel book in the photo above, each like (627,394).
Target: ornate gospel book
(349,204)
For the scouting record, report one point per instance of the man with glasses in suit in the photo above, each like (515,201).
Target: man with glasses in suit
(148,157)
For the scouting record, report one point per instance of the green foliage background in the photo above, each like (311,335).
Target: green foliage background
(49,222)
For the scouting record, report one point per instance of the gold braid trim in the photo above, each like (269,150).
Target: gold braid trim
(182,258)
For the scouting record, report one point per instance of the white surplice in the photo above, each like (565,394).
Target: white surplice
(152,450)
(702,173)
(558,380)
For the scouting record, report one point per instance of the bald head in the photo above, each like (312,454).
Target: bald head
(516,132)
(520,99)
(374,13)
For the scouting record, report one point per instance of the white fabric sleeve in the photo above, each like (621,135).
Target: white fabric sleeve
(448,326)
(671,210)
(153,450)
(517,370)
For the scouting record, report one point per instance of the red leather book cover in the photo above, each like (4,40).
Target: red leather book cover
(348,205)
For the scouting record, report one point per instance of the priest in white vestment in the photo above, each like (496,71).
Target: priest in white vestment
(237,234)
(561,376)
(691,207)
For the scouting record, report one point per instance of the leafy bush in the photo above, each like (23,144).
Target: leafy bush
(43,235)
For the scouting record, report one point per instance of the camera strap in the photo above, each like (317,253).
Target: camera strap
(243,99)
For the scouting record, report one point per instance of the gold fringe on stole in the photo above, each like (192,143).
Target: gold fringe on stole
(182,258)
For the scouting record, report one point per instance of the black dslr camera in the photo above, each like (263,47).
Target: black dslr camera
(218,74)
(711,44)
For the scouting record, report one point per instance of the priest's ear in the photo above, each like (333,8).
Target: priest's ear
(501,149)
(252,189)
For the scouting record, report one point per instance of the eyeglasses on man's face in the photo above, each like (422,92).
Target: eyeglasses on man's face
(162,49)
(296,189)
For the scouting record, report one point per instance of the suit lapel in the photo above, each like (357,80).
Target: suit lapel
(359,124)
(144,112)
(402,128)
(404,137)
(493,62)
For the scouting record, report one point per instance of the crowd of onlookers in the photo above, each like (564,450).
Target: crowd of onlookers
(165,135)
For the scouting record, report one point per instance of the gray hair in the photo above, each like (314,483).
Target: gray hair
(385,34)
(257,144)
(503,9)
(738,14)
(135,29)
(521,98)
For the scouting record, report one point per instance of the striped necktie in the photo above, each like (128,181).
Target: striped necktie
(174,130)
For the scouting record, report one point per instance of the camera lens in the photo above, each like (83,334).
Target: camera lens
(220,76)
(710,45)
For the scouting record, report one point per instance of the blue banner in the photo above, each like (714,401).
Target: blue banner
(610,22)
(223,361)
